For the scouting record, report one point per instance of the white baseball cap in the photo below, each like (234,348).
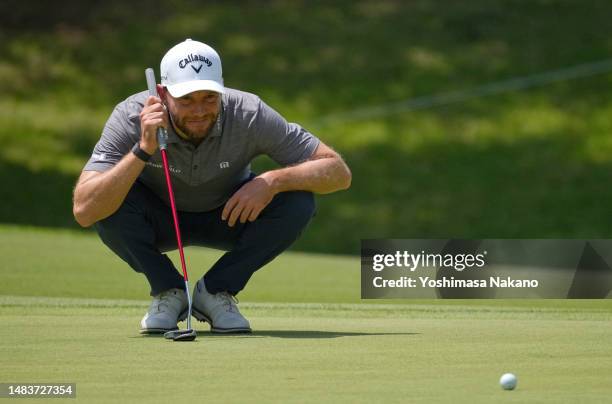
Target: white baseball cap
(191,66)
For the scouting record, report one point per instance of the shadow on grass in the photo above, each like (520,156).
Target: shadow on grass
(369,52)
(541,187)
(528,188)
(292,334)
(36,197)
(311,334)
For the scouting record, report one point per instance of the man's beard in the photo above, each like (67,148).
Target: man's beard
(181,125)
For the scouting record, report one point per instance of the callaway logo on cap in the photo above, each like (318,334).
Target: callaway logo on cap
(191,66)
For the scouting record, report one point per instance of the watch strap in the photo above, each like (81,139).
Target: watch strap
(141,154)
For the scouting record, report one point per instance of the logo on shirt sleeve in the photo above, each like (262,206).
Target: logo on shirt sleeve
(98,157)
(224,164)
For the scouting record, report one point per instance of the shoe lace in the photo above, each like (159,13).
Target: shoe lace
(163,299)
(230,300)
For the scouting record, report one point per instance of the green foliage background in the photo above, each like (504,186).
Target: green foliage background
(531,163)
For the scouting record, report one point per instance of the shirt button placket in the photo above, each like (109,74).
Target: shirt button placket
(189,165)
(195,167)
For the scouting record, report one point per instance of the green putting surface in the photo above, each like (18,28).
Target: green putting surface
(313,352)
(70,313)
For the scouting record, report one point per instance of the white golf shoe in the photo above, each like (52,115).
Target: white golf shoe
(165,311)
(219,310)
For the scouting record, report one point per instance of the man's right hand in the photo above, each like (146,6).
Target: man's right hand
(152,117)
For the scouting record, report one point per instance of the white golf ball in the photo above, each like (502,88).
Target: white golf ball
(508,381)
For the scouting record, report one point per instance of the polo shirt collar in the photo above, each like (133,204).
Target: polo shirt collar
(217,129)
(172,136)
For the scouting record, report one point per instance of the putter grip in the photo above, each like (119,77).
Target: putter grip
(162,134)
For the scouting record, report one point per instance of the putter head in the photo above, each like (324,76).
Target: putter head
(181,335)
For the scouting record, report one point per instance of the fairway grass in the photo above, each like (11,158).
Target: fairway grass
(313,353)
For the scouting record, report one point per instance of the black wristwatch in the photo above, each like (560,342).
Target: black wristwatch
(141,154)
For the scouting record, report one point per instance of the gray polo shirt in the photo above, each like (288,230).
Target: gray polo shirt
(206,176)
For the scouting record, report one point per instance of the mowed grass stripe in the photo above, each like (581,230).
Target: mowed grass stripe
(51,304)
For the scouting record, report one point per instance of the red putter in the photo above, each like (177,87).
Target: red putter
(177,335)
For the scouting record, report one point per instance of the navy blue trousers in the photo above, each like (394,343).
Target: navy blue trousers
(141,230)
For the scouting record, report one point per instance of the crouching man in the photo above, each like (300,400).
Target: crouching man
(214,133)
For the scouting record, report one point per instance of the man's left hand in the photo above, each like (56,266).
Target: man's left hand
(248,202)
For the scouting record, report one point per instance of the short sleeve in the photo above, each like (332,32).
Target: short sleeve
(286,143)
(116,141)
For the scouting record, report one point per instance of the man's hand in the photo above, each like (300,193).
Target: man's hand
(248,202)
(152,116)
